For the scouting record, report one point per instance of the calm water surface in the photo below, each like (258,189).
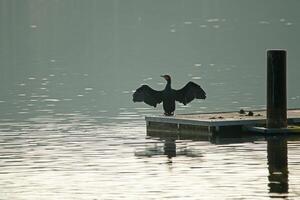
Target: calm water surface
(75,157)
(68,127)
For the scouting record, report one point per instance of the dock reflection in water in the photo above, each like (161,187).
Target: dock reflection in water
(276,159)
(168,148)
(77,157)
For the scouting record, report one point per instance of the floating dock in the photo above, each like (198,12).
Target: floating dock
(230,124)
(276,119)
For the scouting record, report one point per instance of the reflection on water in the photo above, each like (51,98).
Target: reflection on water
(170,148)
(75,156)
(278,165)
(167,146)
(276,158)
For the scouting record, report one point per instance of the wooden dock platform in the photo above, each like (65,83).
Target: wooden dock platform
(230,124)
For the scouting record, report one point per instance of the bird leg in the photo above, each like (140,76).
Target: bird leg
(169,114)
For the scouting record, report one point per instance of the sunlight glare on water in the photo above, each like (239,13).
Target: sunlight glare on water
(74,157)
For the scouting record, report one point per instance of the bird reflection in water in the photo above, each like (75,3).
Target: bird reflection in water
(277,165)
(170,148)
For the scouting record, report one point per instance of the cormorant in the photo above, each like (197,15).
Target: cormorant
(168,96)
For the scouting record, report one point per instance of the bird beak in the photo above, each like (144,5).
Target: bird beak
(163,76)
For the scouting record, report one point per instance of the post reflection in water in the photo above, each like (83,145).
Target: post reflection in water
(278,165)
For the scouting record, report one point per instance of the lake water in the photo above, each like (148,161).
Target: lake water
(69,128)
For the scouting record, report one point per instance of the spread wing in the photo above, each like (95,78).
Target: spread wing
(189,92)
(148,95)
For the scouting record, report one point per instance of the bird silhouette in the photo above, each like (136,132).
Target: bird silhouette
(168,96)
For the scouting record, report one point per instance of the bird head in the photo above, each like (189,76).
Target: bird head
(166,77)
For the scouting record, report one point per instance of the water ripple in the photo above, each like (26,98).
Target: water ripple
(76,156)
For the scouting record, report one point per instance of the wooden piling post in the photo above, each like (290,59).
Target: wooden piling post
(276,89)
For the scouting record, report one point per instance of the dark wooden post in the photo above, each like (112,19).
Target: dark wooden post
(276,89)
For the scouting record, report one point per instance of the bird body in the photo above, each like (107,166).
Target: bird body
(168,99)
(168,96)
